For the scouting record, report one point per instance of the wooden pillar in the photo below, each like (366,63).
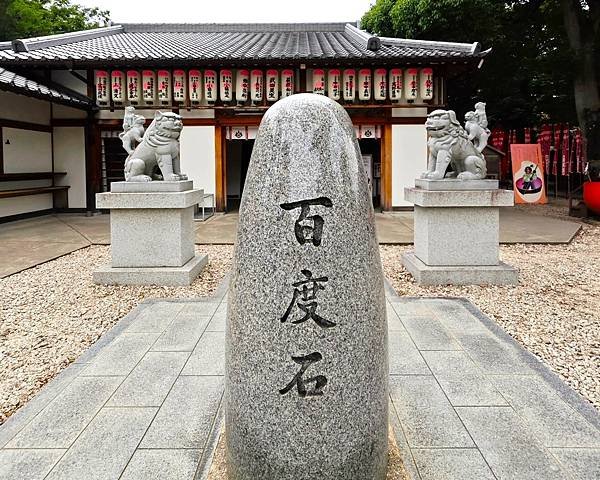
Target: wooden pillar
(386,167)
(220,170)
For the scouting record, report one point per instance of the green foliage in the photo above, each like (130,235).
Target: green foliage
(528,76)
(32,18)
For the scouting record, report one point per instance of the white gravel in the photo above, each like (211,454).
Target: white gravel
(554,312)
(50,314)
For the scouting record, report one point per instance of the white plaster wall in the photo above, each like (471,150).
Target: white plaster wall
(409,159)
(69,156)
(28,150)
(30,203)
(24,109)
(198,156)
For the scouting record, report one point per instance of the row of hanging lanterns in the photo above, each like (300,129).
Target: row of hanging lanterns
(146,86)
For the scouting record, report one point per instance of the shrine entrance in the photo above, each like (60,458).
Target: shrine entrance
(238,159)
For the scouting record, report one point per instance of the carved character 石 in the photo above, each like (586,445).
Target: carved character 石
(320,380)
(305,298)
(308,228)
(451,145)
(158,150)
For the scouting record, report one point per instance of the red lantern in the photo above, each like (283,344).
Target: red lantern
(164,87)
(426,83)
(349,81)
(101,83)
(318,81)
(149,86)
(195,85)
(179,86)
(117,80)
(210,83)
(287,83)
(380,91)
(364,84)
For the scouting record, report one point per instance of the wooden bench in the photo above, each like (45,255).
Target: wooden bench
(60,197)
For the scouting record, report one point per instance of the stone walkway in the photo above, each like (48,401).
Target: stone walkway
(26,243)
(466,401)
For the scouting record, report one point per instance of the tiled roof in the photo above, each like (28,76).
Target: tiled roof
(12,82)
(156,43)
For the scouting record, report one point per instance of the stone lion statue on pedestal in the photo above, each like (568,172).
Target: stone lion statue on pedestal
(158,149)
(451,145)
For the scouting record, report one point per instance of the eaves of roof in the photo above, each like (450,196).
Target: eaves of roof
(181,44)
(12,82)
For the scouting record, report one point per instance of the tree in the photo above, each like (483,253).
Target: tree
(525,80)
(582,25)
(32,18)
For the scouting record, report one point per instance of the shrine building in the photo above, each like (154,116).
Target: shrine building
(62,101)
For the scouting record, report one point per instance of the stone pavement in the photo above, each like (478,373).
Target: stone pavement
(26,243)
(467,402)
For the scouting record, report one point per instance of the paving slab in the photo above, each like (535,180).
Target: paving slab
(147,404)
(462,381)
(426,415)
(104,448)
(28,464)
(164,464)
(186,417)
(451,464)
(583,463)
(510,449)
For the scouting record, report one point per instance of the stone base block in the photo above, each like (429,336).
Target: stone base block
(449,184)
(501,274)
(163,276)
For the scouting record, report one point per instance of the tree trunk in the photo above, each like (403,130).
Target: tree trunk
(582,34)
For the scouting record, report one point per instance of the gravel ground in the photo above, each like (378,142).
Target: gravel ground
(52,313)
(554,312)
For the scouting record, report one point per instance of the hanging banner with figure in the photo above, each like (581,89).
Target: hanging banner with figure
(528,173)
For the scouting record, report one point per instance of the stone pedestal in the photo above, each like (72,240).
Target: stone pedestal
(152,234)
(456,233)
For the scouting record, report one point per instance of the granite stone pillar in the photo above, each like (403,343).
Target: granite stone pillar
(306,359)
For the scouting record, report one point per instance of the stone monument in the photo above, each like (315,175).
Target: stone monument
(306,363)
(457,211)
(152,212)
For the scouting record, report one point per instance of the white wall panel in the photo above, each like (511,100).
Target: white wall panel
(69,156)
(409,159)
(24,109)
(198,156)
(27,151)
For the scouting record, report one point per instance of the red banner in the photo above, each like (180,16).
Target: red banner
(528,173)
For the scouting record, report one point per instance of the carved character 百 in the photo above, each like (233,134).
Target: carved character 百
(158,150)
(449,145)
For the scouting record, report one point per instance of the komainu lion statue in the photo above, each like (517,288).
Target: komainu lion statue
(158,150)
(449,144)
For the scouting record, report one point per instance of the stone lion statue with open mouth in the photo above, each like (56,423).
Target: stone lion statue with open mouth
(449,145)
(158,150)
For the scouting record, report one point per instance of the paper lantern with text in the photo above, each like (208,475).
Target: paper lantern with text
(242,86)
(134,86)
(164,87)
(426,83)
(395,83)
(411,84)
(148,86)
(195,85)
(364,84)
(380,84)
(179,86)
(318,81)
(226,85)
(256,86)
(272,85)
(101,83)
(287,83)
(334,84)
(117,81)
(349,81)
(210,86)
